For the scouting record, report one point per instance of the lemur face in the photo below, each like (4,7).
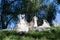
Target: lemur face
(22,16)
(45,20)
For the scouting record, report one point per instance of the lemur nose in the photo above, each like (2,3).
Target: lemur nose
(22,17)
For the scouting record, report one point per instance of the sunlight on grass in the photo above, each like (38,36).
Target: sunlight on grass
(31,35)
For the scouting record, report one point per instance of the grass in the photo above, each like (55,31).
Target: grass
(31,35)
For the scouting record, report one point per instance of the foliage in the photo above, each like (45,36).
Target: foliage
(11,9)
(50,13)
(58,1)
(31,35)
(7,15)
(16,7)
(31,7)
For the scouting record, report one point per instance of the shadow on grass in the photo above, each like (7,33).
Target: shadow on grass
(54,35)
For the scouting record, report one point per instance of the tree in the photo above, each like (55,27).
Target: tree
(11,10)
(31,7)
(58,1)
(50,13)
(28,7)
(6,12)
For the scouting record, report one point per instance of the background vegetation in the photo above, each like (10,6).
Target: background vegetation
(10,9)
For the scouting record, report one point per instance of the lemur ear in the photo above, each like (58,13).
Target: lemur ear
(23,14)
(20,15)
(35,17)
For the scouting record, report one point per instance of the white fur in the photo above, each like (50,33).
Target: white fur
(22,26)
(35,21)
(45,24)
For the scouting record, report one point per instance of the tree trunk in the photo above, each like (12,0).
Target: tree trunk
(3,14)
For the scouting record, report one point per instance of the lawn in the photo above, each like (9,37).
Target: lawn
(31,35)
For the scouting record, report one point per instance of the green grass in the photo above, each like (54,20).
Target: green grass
(31,35)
